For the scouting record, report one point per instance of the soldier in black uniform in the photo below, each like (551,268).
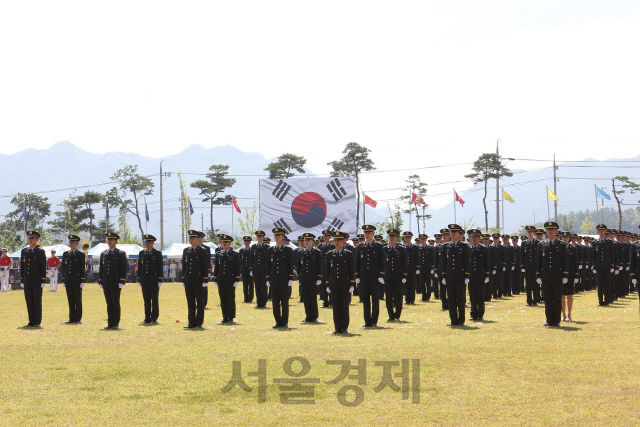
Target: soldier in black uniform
(339,276)
(529,255)
(245,269)
(395,275)
(369,275)
(150,278)
(568,289)
(488,290)
(516,266)
(33,266)
(226,275)
(73,276)
(112,276)
(479,273)
(603,266)
(309,267)
(325,247)
(259,269)
(435,262)
(296,274)
(426,267)
(446,236)
(508,266)
(207,249)
(553,272)
(413,267)
(195,276)
(455,269)
(280,278)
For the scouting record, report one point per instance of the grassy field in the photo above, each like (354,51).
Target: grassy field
(509,371)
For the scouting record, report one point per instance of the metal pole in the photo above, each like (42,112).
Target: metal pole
(555,190)
(503,227)
(548,209)
(161,211)
(498,189)
(232,209)
(409,210)
(202,221)
(455,215)
(595,188)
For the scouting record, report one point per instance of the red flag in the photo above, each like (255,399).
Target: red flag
(417,199)
(235,205)
(458,199)
(368,200)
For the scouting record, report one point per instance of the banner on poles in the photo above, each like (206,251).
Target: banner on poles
(308,205)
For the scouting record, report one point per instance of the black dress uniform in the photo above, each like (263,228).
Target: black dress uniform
(499,252)
(324,248)
(339,278)
(259,270)
(440,272)
(572,267)
(195,273)
(479,273)
(413,265)
(150,276)
(226,275)
(553,266)
(245,271)
(112,273)
(488,289)
(456,271)
(309,267)
(370,268)
(507,277)
(603,265)
(279,274)
(395,275)
(73,276)
(207,249)
(425,254)
(33,265)
(529,250)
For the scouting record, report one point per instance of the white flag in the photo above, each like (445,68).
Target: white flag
(308,205)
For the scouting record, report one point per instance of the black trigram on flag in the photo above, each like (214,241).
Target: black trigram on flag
(281,223)
(336,189)
(336,225)
(281,190)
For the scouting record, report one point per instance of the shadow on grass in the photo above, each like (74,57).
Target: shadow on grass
(29,327)
(287,329)
(347,335)
(568,328)
(378,328)
(319,322)
(465,327)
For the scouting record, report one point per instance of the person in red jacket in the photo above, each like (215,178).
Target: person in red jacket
(5,264)
(53,263)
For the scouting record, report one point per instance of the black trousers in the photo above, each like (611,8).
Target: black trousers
(370,295)
(150,293)
(552,300)
(247,285)
(602,277)
(341,298)
(533,288)
(488,289)
(280,293)
(424,283)
(457,299)
(325,296)
(33,297)
(260,285)
(443,294)
(498,289)
(435,287)
(227,294)
(195,303)
(309,299)
(74,298)
(476,296)
(410,287)
(507,282)
(112,296)
(393,295)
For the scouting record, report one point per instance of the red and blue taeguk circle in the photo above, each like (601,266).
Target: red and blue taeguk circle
(309,209)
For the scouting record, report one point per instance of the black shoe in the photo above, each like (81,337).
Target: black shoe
(286,325)
(335,332)
(391,319)
(480,319)
(115,328)
(367,325)
(461,324)
(344,331)
(146,321)
(450,324)
(545,324)
(69,322)
(275,326)
(189,327)
(107,327)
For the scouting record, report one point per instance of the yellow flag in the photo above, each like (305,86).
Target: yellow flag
(551,195)
(507,197)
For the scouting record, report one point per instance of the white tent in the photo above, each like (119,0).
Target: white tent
(130,249)
(60,248)
(175,250)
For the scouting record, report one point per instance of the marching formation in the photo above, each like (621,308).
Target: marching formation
(549,265)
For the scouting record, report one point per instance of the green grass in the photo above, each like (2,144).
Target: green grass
(511,371)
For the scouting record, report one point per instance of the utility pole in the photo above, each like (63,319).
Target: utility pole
(497,190)
(161,211)
(555,189)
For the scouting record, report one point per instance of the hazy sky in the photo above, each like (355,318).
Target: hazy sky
(420,83)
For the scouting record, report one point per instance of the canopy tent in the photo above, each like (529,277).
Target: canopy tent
(130,249)
(60,248)
(175,250)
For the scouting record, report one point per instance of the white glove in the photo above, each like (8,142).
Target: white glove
(466,281)
(620,268)
(235,284)
(575,280)
(634,281)
(251,273)
(64,285)
(121,285)
(205,284)
(318,282)
(351,289)
(328,290)
(268,284)
(404,280)
(381,280)
(182,284)
(435,275)
(432,271)
(522,270)
(290,283)
(627,268)
(565,280)
(215,283)
(513,268)
(539,281)
(617,272)
(579,267)
(357,280)
(81,285)
(486,280)
(444,282)
(504,268)
(22,285)
(417,271)
(594,271)
(159,284)
(494,272)
(611,271)
(139,284)
(101,287)
(43,285)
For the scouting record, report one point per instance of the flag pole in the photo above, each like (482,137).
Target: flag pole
(595,188)
(455,215)
(548,209)
(503,227)
(146,216)
(233,208)
(364,210)
(410,197)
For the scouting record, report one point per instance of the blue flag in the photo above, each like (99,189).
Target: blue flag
(146,211)
(107,205)
(600,193)
(190,208)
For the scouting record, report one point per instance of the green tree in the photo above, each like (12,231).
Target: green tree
(566,223)
(394,220)
(415,186)
(132,188)
(185,210)
(124,230)
(285,166)
(37,208)
(77,214)
(588,226)
(487,166)
(100,233)
(626,185)
(248,222)
(215,184)
(9,239)
(354,161)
